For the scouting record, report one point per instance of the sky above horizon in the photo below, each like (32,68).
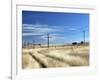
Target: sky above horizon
(62,27)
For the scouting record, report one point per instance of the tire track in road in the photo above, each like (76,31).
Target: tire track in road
(70,60)
(54,58)
(47,61)
(38,60)
(47,58)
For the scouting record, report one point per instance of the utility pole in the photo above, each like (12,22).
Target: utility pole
(48,40)
(28,44)
(48,37)
(84,36)
(33,44)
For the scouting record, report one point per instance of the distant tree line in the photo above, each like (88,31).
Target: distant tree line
(75,43)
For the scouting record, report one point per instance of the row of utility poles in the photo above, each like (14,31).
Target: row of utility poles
(48,39)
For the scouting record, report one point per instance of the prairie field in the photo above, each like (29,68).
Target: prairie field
(52,57)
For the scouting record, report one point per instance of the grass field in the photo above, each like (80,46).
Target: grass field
(61,56)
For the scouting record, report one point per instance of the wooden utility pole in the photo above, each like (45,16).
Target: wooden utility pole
(48,36)
(33,44)
(84,36)
(48,40)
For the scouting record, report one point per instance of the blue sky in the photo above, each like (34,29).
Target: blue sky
(62,27)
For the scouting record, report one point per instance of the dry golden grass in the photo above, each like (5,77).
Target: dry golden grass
(28,62)
(67,56)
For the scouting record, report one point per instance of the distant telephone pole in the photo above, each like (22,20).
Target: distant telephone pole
(84,36)
(48,40)
(33,42)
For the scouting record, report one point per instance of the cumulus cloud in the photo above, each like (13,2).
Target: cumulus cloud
(40,29)
(53,37)
(32,34)
(33,29)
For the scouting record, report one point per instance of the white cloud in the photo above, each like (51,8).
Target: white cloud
(53,37)
(25,25)
(72,29)
(30,34)
(34,25)
(37,29)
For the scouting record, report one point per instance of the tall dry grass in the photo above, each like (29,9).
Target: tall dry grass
(28,62)
(56,57)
